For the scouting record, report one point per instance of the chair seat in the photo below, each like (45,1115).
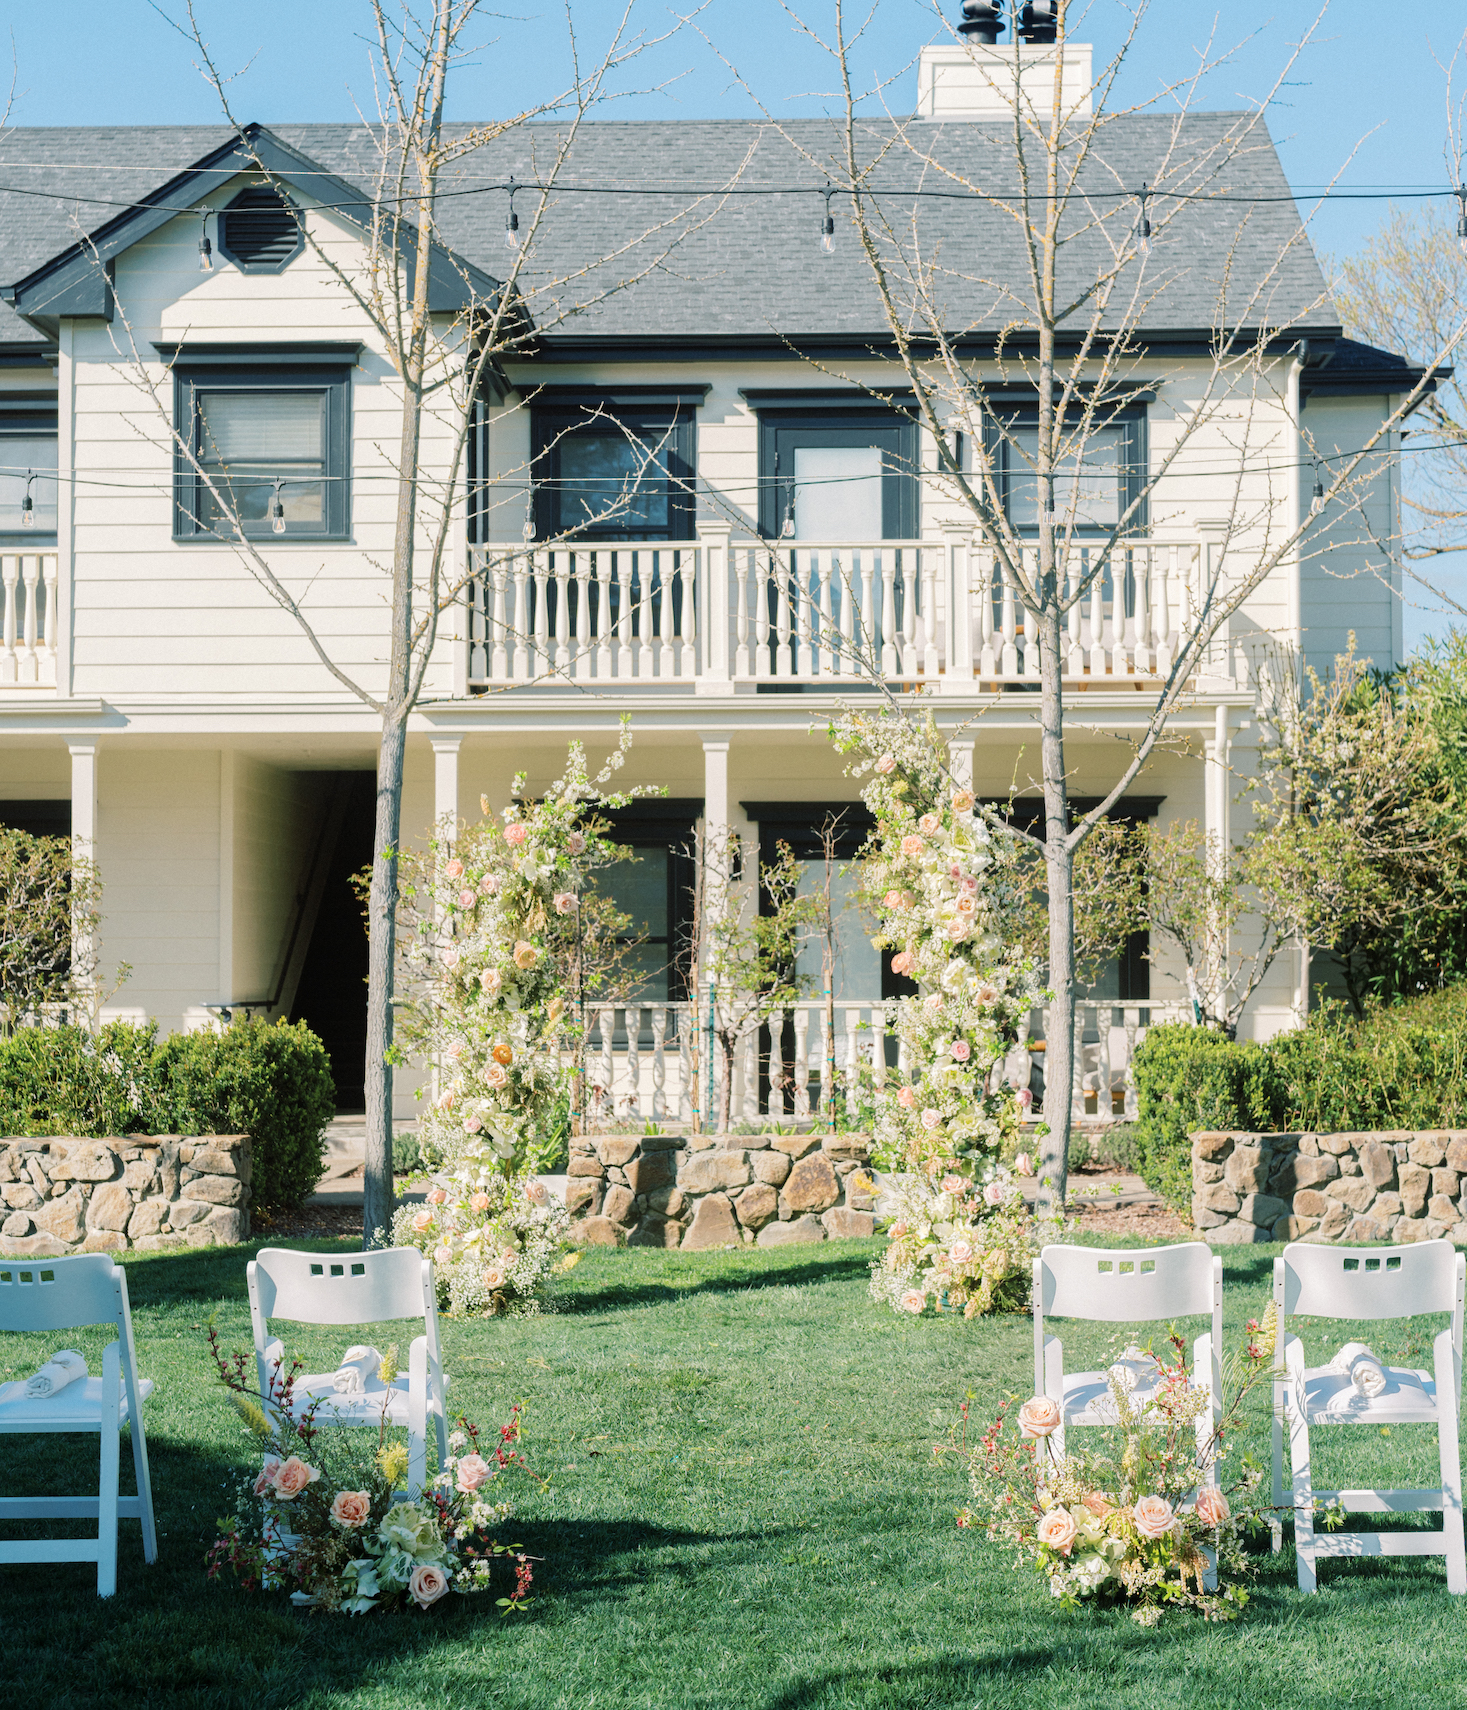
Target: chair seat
(1331,1399)
(362,1408)
(78,1407)
(1088,1399)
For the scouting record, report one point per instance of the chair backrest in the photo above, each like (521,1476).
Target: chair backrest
(1379,1282)
(61,1294)
(350,1288)
(1126,1284)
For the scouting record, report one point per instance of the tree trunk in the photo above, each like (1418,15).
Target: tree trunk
(382,950)
(1059,863)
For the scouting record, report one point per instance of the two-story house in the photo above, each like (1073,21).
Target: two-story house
(159,705)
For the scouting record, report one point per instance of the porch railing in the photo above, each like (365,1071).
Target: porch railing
(27,619)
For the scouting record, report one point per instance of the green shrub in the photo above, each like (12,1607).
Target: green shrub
(407,1155)
(270,1080)
(65,1080)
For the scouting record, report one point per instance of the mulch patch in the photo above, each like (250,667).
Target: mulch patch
(307,1223)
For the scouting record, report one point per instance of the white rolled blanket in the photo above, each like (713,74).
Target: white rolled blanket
(1137,1375)
(61,1369)
(359,1365)
(1365,1372)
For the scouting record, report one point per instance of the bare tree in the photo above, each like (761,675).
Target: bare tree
(50,909)
(1062,310)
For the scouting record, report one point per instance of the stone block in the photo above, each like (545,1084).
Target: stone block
(655,1230)
(156,1243)
(582,1196)
(1368,1229)
(648,1173)
(65,1218)
(1387,1206)
(1205,1219)
(1444,1210)
(1411,1229)
(20,1196)
(619,1205)
(1246,1170)
(16,1224)
(594,1232)
(110,1208)
(36,1170)
(709,1172)
(199,1235)
(618,1150)
(1211,1147)
(1237,1234)
(1446,1183)
(790,1234)
(1377,1165)
(703,1142)
(661,1142)
(1415,1186)
(1353,1191)
(104,1241)
(168,1170)
(1334,1222)
(218,1190)
(713,1225)
(851,1148)
(1310,1204)
(1349,1164)
(1436,1229)
(1457,1234)
(183,1212)
(86,1161)
(10,1163)
(613,1174)
(1308,1146)
(584,1167)
(1262,1209)
(795,1145)
(1219,1197)
(1457,1153)
(1338,1144)
(210,1161)
(1207,1174)
(39,1246)
(756,1142)
(1294,1228)
(147,1218)
(812,1185)
(771,1167)
(756,1205)
(230,1224)
(1427,1150)
(139,1176)
(670,1201)
(844,1224)
(1295,1174)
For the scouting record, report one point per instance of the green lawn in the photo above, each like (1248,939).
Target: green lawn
(744,1512)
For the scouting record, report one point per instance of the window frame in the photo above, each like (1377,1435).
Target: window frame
(667,824)
(781,426)
(24,416)
(1131,476)
(552,422)
(330,380)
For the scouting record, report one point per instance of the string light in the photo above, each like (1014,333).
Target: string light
(27,504)
(827,225)
(512,221)
(277,512)
(1316,499)
(1143,226)
(206,253)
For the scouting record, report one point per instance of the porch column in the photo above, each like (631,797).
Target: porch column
(714,889)
(715,797)
(83,831)
(445,785)
(713,673)
(957,540)
(1217,829)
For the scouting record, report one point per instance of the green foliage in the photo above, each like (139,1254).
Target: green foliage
(1398,1067)
(271,1081)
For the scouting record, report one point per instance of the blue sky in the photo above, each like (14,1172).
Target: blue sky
(1366,103)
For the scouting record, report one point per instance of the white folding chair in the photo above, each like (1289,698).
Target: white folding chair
(1125,1286)
(43,1296)
(360,1288)
(1380,1283)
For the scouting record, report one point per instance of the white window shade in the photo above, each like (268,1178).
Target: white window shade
(255,431)
(838,493)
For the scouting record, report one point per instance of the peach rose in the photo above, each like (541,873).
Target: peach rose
(958,930)
(961,1252)
(1023,1165)
(491,980)
(471,1472)
(428,1582)
(961,1050)
(931,1118)
(913,846)
(1039,1416)
(952,1184)
(454,869)
(292,1477)
(906,1098)
(268,1470)
(496,1076)
(494,1277)
(422,1221)
(442,1255)
(893,899)
(525,954)
(993,1194)
(451,958)
(473,1125)
(351,1508)
(1153,1516)
(467,899)
(986,994)
(438,1196)
(929,824)
(565,902)
(536,1192)
(965,904)
(887,763)
(447,1098)
(489,884)
(934,1001)
(902,962)
(1057,1530)
(1211,1507)
(575,844)
(1099,1504)
(897,1230)
(515,835)
(914,1301)
(503,1054)
(479,1202)
(962,801)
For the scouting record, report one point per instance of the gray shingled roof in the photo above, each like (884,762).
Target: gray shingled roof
(749,266)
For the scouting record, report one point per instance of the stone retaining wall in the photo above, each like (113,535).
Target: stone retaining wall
(138,1192)
(1330,1187)
(718,1190)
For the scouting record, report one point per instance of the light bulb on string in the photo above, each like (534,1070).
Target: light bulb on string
(1462,218)
(27,504)
(512,220)
(827,226)
(206,252)
(1143,226)
(277,512)
(787,527)
(1316,498)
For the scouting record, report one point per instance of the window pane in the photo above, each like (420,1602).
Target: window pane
(857,970)
(614,482)
(639,888)
(838,492)
(22,455)
(1097,477)
(249,440)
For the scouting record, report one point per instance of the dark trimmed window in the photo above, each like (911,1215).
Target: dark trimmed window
(259,233)
(258,432)
(28,462)
(837,473)
(655,889)
(1110,471)
(605,470)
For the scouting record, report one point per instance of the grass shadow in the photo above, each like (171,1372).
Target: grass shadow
(688,1276)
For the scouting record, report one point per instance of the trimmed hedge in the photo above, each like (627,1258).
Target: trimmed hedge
(270,1080)
(1404,1067)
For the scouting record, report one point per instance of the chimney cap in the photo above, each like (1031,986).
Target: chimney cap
(984,19)
(1039,20)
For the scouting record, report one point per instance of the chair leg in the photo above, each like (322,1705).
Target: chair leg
(109,1450)
(418,1416)
(145,1487)
(1276,1524)
(1451,1464)
(1303,1500)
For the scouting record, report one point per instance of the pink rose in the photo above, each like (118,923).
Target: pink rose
(1153,1516)
(1039,1416)
(515,835)
(1024,1165)
(929,824)
(575,844)
(489,884)
(474,1124)
(902,962)
(536,1192)
(961,1050)
(914,1301)
(961,1252)
(467,899)
(931,1118)
(351,1508)
(455,869)
(952,1184)
(292,1477)
(447,1098)
(471,1472)
(887,763)
(438,1196)
(906,1098)
(968,884)
(913,846)
(565,902)
(428,1583)
(1211,1507)
(497,1076)
(268,1470)
(1057,1530)
(1024,1098)
(422,1221)
(451,957)
(479,1202)
(892,899)
(993,1194)
(933,1000)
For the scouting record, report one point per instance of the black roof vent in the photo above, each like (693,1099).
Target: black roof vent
(258,232)
(1038,21)
(982,18)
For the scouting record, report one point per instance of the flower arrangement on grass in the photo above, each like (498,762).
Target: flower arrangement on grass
(498,1242)
(1146,1522)
(334,1526)
(937,880)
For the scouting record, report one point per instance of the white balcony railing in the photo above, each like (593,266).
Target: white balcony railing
(28,621)
(721,611)
(650,1062)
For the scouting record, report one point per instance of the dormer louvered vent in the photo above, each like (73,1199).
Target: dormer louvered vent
(258,232)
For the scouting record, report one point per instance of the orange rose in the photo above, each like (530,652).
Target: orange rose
(351,1508)
(502,1054)
(1057,1529)
(292,1477)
